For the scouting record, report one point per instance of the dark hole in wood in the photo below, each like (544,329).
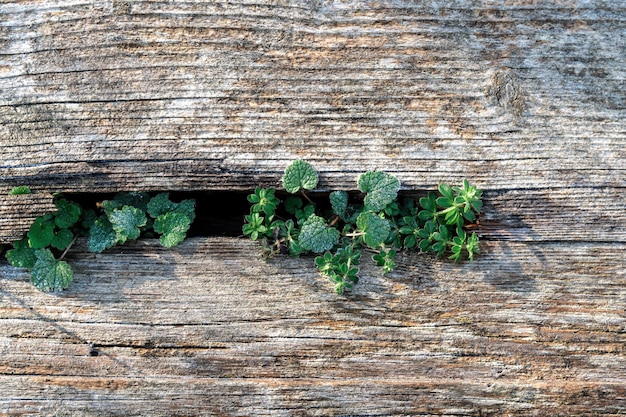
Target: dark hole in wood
(222,213)
(93,351)
(218,213)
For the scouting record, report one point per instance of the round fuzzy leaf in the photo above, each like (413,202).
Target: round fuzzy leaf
(160,204)
(68,213)
(22,255)
(376,229)
(293,204)
(300,175)
(48,274)
(62,239)
(339,202)
(41,232)
(127,222)
(381,189)
(316,236)
(101,235)
(173,226)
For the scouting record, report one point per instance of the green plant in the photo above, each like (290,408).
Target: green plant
(375,222)
(126,217)
(19,190)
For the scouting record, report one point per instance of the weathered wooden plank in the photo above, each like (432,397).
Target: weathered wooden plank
(525,100)
(529,329)
(153,95)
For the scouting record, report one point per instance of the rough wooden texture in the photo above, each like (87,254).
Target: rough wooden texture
(527,100)
(208,328)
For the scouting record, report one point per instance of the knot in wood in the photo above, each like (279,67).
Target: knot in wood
(504,89)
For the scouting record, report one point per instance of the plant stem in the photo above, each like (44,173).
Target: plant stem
(306,197)
(68,248)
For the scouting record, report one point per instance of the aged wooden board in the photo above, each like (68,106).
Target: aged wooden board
(196,95)
(209,328)
(526,100)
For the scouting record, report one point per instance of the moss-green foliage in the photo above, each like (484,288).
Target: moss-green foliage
(375,222)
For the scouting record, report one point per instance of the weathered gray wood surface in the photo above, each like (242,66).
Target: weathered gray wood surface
(526,100)
(529,328)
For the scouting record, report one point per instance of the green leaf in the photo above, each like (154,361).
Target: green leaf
(381,189)
(386,259)
(127,222)
(62,239)
(375,229)
(88,219)
(254,226)
(20,190)
(472,246)
(41,232)
(303,214)
(101,235)
(160,204)
(339,202)
(293,204)
(173,227)
(188,208)
(446,191)
(110,205)
(316,236)
(49,274)
(263,200)
(136,199)
(67,213)
(300,175)
(22,255)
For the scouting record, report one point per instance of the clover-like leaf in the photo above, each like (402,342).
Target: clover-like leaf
(41,232)
(263,200)
(173,227)
(339,202)
(300,175)
(386,259)
(380,188)
(127,222)
(22,255)
(472,246)
(254,226)
(49,274)
(67,213)
(316,236)
(375,229)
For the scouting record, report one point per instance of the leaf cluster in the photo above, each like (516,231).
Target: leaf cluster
(375,221)
(125,217)
(49,235)
(130,215)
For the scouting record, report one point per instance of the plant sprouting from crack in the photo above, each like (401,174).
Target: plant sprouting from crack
(376,222)
(124,218)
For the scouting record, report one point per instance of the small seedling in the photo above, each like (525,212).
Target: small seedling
(377,222)
(126,217)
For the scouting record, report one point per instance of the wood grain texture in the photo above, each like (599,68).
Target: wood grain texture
(525,99)
(206,328)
